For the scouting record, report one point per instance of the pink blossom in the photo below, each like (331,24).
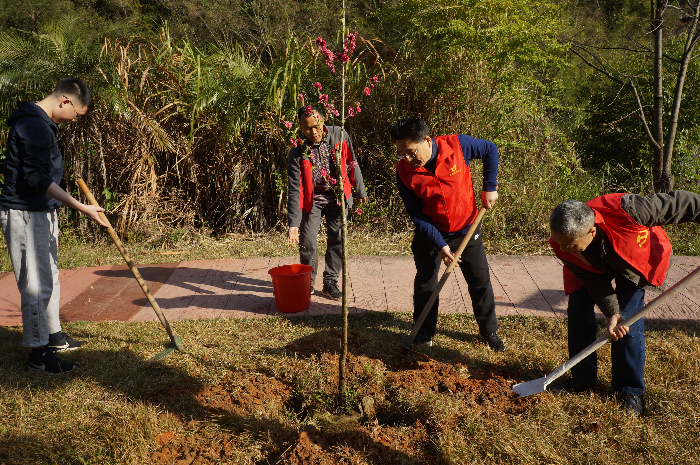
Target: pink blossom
(302,96)
(375,220)
(368,91)
(358,109)
(351,111)
(293,142)
(320,42)
(323,172)
(299,141)
(353,164)
(323,98)
(358,211)
(342,57)
(308,110)
(288,124)
(333,181)
(374,79)
(318,85)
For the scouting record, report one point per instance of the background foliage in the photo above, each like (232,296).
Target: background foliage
(192,96)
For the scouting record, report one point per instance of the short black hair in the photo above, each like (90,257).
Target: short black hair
(76,89)
(301,112)
(412,128)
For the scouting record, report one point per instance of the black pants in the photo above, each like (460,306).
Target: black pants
(475,269)
(308,246)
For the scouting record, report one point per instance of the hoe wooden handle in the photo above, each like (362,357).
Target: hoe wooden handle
(173,337)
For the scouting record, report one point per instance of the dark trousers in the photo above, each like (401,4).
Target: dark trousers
(627,353)
(475,269)
(308,246)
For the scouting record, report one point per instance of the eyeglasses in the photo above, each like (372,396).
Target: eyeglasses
(410,155)
(77,116)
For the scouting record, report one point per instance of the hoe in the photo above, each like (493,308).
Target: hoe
(176,342)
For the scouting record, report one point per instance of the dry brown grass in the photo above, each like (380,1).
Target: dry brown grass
(118,407)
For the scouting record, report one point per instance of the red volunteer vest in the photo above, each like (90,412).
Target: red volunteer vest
(306,188)
(646,249)
(448,195)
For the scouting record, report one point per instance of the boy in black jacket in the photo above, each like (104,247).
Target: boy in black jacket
(30,197)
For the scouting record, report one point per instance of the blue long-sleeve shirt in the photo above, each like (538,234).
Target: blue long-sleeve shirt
(471,148)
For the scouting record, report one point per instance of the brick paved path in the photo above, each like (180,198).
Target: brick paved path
(523,285)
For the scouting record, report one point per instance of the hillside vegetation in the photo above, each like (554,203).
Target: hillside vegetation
(192,98)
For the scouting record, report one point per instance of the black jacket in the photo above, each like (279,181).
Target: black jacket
(33,160)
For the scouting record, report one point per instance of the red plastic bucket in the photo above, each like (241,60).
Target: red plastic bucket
(291,285)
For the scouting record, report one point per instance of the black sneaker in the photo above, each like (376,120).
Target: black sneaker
(423,341)
(494,342)
(49,364)
(634,404)
(65,344)
(331,291)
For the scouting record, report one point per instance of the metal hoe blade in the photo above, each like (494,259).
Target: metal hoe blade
(175,345)
(529,388)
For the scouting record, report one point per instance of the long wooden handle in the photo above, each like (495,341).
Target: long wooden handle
(112,233)
(446,275)
(601,341)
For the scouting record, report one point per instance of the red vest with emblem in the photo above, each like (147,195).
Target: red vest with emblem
(647,249)
(448,195)
(306,191)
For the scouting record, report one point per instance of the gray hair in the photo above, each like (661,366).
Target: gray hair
(572,219)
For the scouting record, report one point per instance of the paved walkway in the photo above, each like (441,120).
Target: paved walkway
(523,285)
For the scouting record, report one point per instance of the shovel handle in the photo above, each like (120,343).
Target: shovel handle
(130,263)
(444,277)
(667,294)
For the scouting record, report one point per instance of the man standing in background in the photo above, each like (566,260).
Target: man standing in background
(312,173)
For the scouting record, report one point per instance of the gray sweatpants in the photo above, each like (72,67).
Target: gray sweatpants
(32,240)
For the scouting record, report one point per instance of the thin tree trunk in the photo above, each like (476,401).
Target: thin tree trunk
(690,43)
(342,387)
(658,118)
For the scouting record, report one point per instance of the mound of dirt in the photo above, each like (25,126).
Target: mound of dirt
(244,395)
(492,390)
(386,445)
(192,450)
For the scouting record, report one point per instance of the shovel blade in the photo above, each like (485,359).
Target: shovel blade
(529,388)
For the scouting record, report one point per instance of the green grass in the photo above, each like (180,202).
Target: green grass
(119,407)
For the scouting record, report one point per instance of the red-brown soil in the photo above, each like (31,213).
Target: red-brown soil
(244,402)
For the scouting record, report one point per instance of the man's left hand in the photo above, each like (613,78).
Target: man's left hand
(619,332)
(488,199)
(363,200)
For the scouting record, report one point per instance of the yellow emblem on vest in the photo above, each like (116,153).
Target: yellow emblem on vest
(454,170)
(642,237)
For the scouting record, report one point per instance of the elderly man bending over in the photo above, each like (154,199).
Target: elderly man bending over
(615,237)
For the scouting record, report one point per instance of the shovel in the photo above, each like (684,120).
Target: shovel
(408,342)
(174,338)
(536,386)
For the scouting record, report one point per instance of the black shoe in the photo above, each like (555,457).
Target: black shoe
(423,341)
(331,291)
(494,342)
(65,344)
(634,404)
(574,386)
(49,364)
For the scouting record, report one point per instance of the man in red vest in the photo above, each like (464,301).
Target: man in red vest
(615,237)
(435,184)
(312,175)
